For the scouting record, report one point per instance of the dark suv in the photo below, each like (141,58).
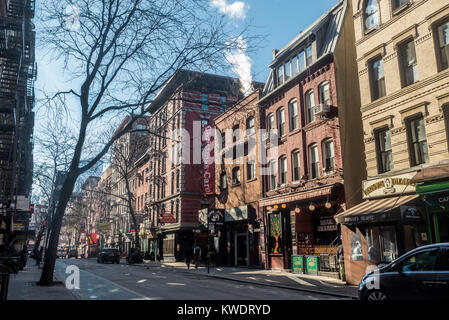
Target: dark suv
(111,255)
(73,254)
(421,274)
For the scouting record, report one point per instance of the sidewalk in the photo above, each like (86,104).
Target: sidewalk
(22,286)
(272,278)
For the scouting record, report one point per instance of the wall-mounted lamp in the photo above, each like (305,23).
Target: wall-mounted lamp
(269,208)
(297,209)
(275,206)
(283,206)
(312,207)
(328,205)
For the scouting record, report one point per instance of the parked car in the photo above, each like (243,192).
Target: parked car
(420,274)
(108,255)
(73,254)
(61,253)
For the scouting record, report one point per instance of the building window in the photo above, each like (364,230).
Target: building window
(295,65)
(272,166)
(282,170)
(177,180)
(295,165)
(324,93)
(236,176)
(222,104)
(384,152)
(177,210)
(371,17)
(377,79)
(281,75)
(288,70)
(235,133)
(310,106)
(251,170)
(172,183)
(293,112)
(446,120)
(223,181)
(250,126)
(270,122)
(328,156)
(281,122)
(314,161)
(309,55)
(204,101)
(302,61)
(223,139)
(417,141)
(399,3)
(443,44)
(141,129)
(409,63)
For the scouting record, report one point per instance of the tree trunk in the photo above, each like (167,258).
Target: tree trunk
(38,240)
(50,254)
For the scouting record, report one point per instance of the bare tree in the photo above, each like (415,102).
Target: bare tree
(119,54)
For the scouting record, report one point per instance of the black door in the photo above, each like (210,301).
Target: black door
(241,249)
(287,239)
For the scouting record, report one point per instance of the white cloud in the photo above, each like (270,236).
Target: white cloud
(235,10)
(241,65)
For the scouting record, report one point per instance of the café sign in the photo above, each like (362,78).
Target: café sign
(394,185)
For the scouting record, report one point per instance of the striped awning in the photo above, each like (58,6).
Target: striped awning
(375,210)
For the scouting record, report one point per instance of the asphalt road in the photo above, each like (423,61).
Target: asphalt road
(123,282)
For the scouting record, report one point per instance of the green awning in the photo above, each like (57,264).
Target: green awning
(429,188)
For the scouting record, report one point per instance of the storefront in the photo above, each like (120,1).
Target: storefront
(433,187)
(235,242)
(302,223)
(390,222)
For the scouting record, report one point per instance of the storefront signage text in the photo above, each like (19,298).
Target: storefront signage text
(388,186)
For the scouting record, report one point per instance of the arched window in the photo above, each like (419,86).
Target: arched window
(270,122)
(282,170)
(272,166)
(293,113)
(281,122)
(250,126)
(236,175)
(328,156)
(324,93)
(371,15)
(295,165)
(310,105)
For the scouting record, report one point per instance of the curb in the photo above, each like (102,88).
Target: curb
(340,295)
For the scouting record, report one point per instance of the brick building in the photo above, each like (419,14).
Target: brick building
(308,103)
(238,185)
(402,58)
(187,103)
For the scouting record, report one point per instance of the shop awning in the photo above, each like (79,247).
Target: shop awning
(376,210)
(431,174)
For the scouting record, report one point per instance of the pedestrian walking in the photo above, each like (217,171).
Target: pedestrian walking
(188,255)
(196,256)
(341,262)
(39,257)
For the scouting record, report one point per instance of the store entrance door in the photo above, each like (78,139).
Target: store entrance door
(241,249)
(442,226)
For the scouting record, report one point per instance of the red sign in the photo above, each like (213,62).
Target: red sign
(167,217)
(208,178)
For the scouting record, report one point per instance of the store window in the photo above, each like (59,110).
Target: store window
(381,244)
(275,240)
(356,246)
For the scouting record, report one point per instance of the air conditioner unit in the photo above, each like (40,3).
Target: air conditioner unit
(321,108)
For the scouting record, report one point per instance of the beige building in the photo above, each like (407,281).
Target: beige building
(402,56)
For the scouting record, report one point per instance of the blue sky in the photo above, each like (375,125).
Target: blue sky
(281,21)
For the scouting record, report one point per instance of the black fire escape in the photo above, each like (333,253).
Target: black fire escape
(17,74)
